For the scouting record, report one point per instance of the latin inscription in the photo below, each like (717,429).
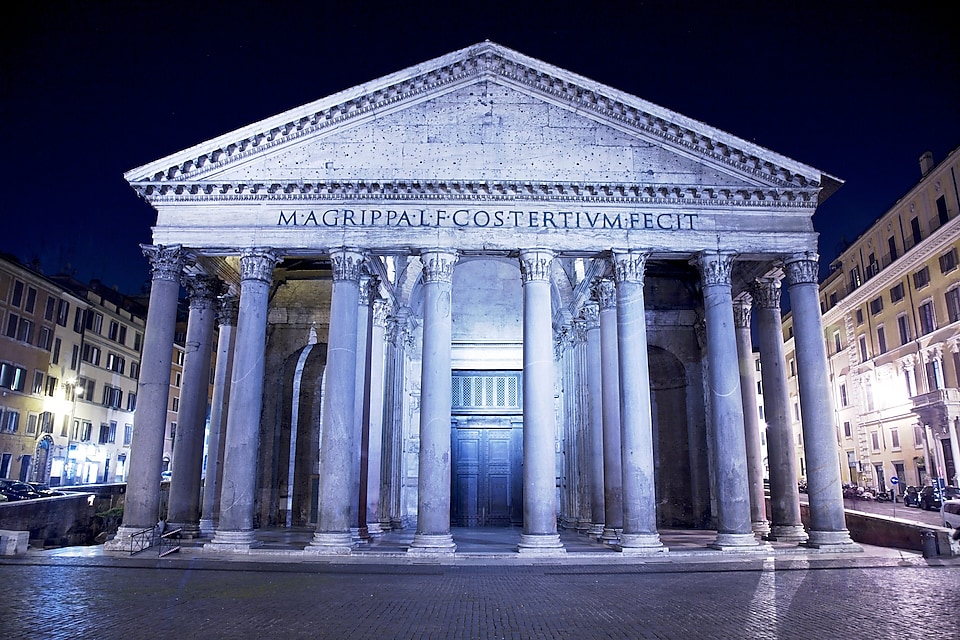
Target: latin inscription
(481,218)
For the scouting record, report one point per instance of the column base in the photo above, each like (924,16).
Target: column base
(232,542)
(832,541)
(338,543)
(121,542)
(386,525)
(787,533)
(374,530)
(738,542)
(595,530)
(188,530)
(543,544)
(640,543)
(583,526)
(760,527)
(610,536)
(432,543)
(207,527)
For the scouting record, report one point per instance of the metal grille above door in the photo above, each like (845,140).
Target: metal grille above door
(487,392)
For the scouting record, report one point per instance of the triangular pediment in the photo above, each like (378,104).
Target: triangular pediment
(484,114)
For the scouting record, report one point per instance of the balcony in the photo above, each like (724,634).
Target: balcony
(937,409)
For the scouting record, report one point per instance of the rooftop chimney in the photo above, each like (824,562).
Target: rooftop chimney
(926,163)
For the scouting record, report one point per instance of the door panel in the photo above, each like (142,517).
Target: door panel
(486,477)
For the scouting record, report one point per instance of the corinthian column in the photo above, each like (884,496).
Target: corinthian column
(730,452)
(785,525)
(539,432)
(636,422)
(235,528)
(605,293)
(827,519)
(142,501)
(227,317)
(184,507)
(433,499)
(590,314)
(338,497)
(751,417)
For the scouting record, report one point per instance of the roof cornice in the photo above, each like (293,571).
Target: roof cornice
(486,61)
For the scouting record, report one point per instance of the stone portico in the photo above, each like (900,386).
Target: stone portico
(482,291)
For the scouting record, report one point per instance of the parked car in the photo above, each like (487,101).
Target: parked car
(15,490)
(911,497)
(44,489)
(931,498)
(950,512)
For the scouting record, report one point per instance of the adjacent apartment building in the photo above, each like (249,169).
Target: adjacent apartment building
(69,364)
(891,318)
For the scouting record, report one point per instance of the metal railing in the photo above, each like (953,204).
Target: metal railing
(167,542)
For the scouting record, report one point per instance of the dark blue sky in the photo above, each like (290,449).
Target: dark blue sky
(89,90)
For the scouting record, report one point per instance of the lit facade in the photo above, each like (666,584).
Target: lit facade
(891,318)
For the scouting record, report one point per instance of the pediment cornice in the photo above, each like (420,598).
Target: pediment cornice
(158,192)
(493,62)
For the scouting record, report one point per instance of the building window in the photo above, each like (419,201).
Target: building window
(179,357)
(32,419)
(91,354)
(846,429)
(63,312)
(896,293)
(876,305)
(915,234)
(65,426)
(12,377)
(51,387)
(75,357)
(927,321)
(837,346)
(862,343)
(131,401)
(894,438)
(116,363)
(843,394)
(176,405)
(19,328)
(176,379)
(793,367)
(173,432)
(137,338)
(112,396)
(45,339)
(921,278)
(93,321)
(903,327)
(760,408)
(50,308)
(942,215)
(948,261)
(78,321)
(17,299)
(87,387)
(917,436)
(38,382)
(11,421)
(796,412)
(953,304)
(855,279)
(875,440)
(86,430)
(127,434)
(892,248)
(134,370)
(858,314)
(881,339)
(55,356)
(31,305)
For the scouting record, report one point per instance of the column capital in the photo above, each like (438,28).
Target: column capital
(438,265)
(258,264)
(604,293)
(590,315)
(347,264)
(932,353)
(766,293)
(369,290)
(715,267)
(202,290)
(579,330)
(166,262)
(742,307)
(629,266)
(802,268)
(228,310)
(381,311)
(563,338)
(535,265)
(907,362)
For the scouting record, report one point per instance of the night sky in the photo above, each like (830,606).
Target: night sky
(89,90)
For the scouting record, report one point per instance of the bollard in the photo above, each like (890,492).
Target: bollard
(929,544)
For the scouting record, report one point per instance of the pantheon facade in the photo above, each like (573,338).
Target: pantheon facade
(483,292)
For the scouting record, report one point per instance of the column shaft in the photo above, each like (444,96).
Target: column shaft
(338,494)
(539,431)
(605,293)
(184,506)
(636,422)
(730,453)
(373,417)
(785,524)
(433,499)
(142,500)
(591,315)
(227,317)
(827,517)
(237,495)
(751,417)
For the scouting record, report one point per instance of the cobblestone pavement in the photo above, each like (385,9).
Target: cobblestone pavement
(762,598)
